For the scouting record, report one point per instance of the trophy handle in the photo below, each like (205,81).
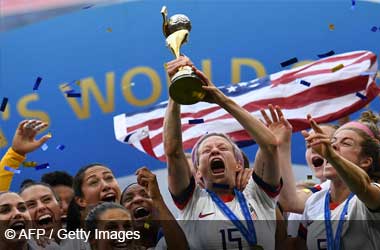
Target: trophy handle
(165,23)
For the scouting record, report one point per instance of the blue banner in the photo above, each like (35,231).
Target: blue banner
(114,56)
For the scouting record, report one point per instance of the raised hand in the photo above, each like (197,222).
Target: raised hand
(319,141)
(24,140)
(279,126)
(148,180)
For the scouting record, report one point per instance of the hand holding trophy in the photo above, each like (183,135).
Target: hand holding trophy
(186,87)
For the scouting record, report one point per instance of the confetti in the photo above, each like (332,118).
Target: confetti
(37,83)
(303,82)
(44,147)
(61,147)
(374,29)
(49,135)
(353,3)
(306,190)
(15,171)
(42,166)
(338,67)
(221,186)
(87,7)
(289,62)
(330,53)
(331,27)
(361,96)
(196,121)
(78,82)
(29,163)
(109,29)
(146,225)
(3,104)
(73,95)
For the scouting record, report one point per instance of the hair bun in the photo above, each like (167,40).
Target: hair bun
(370,117)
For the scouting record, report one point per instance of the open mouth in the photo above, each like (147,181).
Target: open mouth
(109,198)
(217,166)
(45,220)
(18,225)
(317,161)
(140,213)
(64,219)
(120,245)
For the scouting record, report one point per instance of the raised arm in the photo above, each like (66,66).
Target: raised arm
(179,173)
(355,177)
(290,199)
(174,236)
(256,129)
(24,142)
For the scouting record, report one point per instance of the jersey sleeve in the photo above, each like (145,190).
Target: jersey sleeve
(258,188)
(10,159)
(182,200)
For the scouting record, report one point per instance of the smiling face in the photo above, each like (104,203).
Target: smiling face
(114,219)
(217,162)
(13,215)
(316,162)
(138,203)
(43,207)
(99,184)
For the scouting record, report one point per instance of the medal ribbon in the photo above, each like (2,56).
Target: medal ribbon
(334,243)
(250,233)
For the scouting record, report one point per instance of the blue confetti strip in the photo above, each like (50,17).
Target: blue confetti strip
(303,82)
(73,94)
(44,147)
(61,147)
(196,121)
(37,83)
(42,166)
(353,3)
(374,29)
(88,6)
(221,186)
(15,171)
(3,104)
(70,91)
(361,96)
(330,53)
(289,62)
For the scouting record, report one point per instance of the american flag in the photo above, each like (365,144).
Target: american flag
(317,88)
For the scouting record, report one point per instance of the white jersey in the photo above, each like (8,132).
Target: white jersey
(294,219)
(361,228)
(206,226)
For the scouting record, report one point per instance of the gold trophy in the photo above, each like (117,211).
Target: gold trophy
(186,87)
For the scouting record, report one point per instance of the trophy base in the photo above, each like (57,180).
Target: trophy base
(186,88)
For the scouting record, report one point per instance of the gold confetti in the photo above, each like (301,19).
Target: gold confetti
(306,190)
(29,164)
(331,27)
(338,67)
(49,135)
(109,29)
(146,225)
(78,82)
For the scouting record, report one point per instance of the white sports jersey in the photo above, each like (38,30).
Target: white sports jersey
(206,226)
(294,219)
(361,228)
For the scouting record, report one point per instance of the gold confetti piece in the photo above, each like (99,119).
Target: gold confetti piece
(306,190)
(146,225)
(29,164)
(109,29)
(331,27)
(78,82)
(338,67)
(49,135)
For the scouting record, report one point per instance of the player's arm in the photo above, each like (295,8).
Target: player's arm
(355,177)
(174,236)
(179,174)
(256,129)
(23,143)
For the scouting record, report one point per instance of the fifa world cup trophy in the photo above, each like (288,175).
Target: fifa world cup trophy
(186,87)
